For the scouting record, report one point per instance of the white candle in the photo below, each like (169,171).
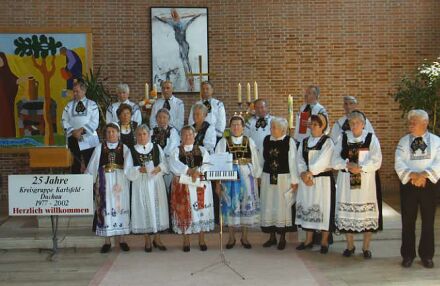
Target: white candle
(290,109)
(248,92)
(239,93)
(255,90)
(147,91)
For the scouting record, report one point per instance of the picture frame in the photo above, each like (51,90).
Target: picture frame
(179,36)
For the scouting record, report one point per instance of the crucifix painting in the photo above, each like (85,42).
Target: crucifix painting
(179,37)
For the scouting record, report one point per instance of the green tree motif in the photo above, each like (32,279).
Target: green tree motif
(39,48)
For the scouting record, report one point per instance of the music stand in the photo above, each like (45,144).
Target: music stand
(50,157)
(222,253)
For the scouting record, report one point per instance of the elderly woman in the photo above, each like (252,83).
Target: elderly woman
(191,200)
(166,136)
(128,126)
(316,189)
(279,183)
(108,166)
(357,156)
(123,92)
(205,132)
(239,199)
(418,166)
(149,209)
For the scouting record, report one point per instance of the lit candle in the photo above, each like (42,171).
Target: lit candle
(147,91)
(248,92)
(255,90)
(239,93)
(154,93)
(290,109)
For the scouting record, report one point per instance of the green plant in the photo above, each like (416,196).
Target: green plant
(97,92)
(422,91)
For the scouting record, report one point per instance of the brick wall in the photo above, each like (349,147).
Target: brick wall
(357,47)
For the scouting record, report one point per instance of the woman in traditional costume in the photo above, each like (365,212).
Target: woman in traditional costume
(240,203)
(149,208)
(205,132)
(128,126)
(109,165)
(357,156)
(315,201)
(191,199)
(279,183)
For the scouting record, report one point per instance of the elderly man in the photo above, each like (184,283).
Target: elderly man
(123,91)
(417,163)
(216,110)
(341,125)
(310,107)
(258,127)
(173,104)
(80,120)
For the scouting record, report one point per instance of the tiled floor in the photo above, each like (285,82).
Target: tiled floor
(86,266)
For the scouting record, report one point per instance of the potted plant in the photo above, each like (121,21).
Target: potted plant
(422,92)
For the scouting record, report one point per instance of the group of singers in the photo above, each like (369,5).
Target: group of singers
(148,178)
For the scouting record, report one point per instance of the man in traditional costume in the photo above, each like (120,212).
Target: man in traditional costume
(173,104)
(258,126)
(417,163)
(311,106)
(216,110)
(240,203)
(80,120)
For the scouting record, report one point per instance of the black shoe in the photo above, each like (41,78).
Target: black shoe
(348,252)
(230,245)
(270,242)
(324,249)
(124,246)
(407,262)
(106,248)
(186,248)
(427,263)
(303,246)
(148,249)
(246,245)
(160,246)
(203,247)
(281,244)
(367,254)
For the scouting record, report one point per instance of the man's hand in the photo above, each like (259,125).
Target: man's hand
(294,187)
(77,133)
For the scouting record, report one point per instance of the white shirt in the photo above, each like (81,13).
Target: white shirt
(111,115)
(257,134)
(337,128)
(89,119)
(177,111)
(217,116)
(407,161)
(316,108)
(178,168)
(172,142)
(210,139)
(319,160)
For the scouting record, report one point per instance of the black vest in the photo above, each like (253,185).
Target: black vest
(276,157)
(193,158)
(160,136)
(238,151)
(112,156)
(201,133)
(129,139)
(140,159)
(350,151)
(318,146)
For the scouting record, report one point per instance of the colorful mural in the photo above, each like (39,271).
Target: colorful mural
(37,71)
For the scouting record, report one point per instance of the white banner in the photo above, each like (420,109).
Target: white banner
(42,195)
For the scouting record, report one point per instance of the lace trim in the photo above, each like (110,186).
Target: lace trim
(357,224)
(357,208)
(312,214)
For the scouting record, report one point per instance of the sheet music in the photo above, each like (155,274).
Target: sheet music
(220,162)
(187,180)
(87,142)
